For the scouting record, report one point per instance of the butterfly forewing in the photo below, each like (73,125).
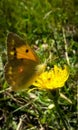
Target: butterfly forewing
(18,48)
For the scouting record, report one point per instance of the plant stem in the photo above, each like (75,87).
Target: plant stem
(55,95)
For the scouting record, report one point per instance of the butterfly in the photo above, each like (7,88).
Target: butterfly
(23,65)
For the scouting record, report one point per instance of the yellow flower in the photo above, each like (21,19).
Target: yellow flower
(52,79)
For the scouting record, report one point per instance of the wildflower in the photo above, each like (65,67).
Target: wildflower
(55,78)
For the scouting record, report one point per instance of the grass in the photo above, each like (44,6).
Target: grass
(53,38)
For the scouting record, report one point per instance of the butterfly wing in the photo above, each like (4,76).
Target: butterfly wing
(20,73)
(20,69)
(18,48)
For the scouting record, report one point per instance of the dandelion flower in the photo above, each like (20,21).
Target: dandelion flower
(55,78)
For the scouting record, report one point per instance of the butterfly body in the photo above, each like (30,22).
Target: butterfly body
(21,68)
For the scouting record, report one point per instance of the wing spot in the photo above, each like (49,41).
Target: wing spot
(27,50)
(13,42)
(14,50)
(12,53)
(10,70)
(20,70)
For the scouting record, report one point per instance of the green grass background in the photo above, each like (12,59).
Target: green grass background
(52,27)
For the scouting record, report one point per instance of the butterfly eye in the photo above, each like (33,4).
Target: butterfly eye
(27,50)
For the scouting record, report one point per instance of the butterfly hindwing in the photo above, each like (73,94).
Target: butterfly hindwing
(18,73)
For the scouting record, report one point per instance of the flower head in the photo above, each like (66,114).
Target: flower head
(52,79)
